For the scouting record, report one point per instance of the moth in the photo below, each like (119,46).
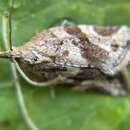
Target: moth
(82,57)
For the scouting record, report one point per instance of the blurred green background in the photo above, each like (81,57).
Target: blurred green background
(69,110)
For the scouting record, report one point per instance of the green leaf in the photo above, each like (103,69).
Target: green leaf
(69,110)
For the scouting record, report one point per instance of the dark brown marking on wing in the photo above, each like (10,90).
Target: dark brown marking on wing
(88,49)
(66,53)
(74,30)
(85,51)
(92,52)
(106,31)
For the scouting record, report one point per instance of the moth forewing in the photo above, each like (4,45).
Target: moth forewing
(79,46)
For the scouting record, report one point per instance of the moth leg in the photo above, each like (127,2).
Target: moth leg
(8,45)
(113,88)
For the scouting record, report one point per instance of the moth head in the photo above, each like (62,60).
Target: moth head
(28,58)
(31,57)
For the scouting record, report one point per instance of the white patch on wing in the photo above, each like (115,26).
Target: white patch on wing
(74,57)
(59,32)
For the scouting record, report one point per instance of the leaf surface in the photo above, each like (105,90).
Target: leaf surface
(69,110)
